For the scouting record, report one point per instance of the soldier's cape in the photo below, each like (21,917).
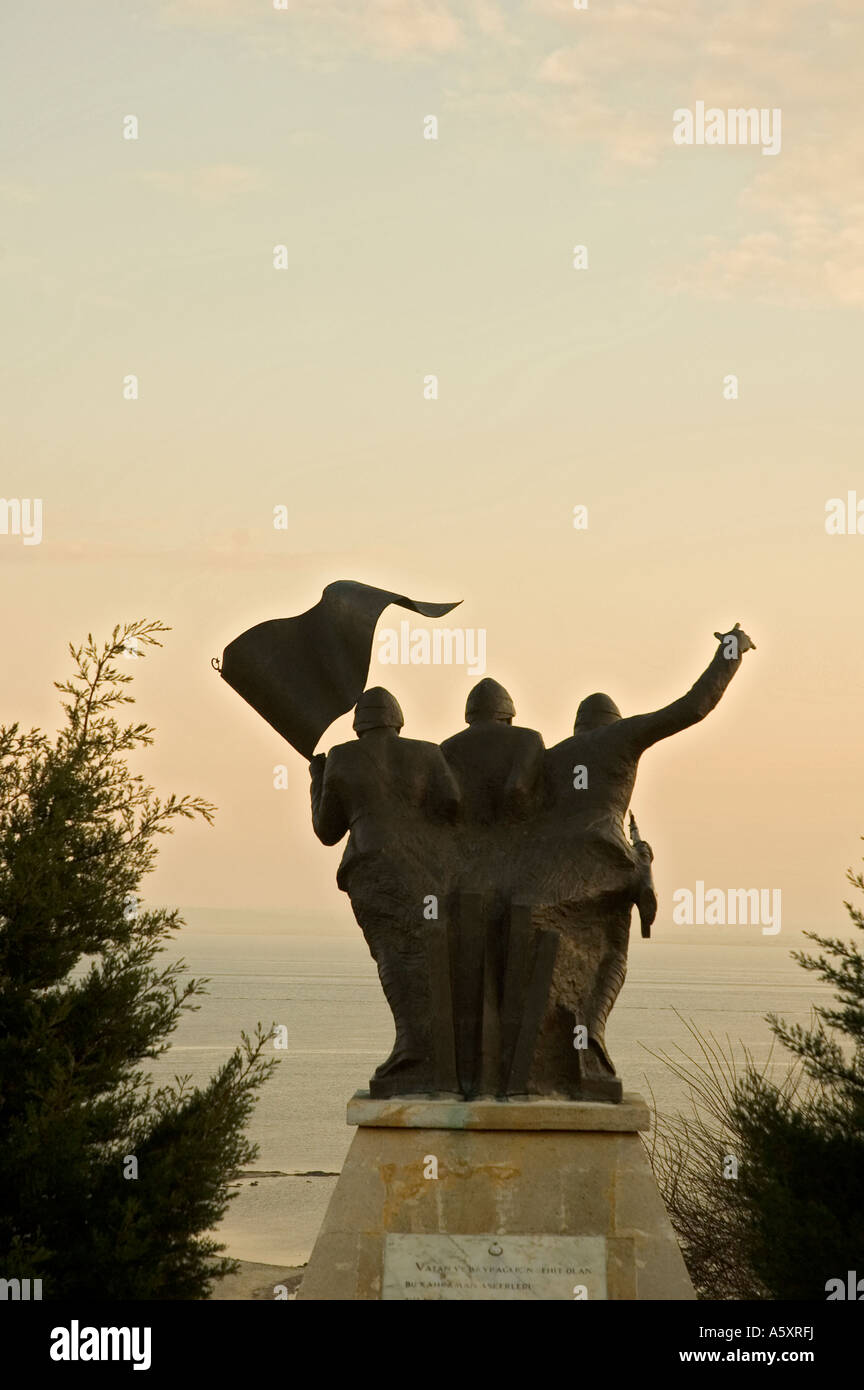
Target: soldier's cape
(302,673)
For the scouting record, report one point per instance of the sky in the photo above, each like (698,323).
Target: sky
(305,388)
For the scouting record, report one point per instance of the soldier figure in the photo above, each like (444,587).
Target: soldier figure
(498,766)
(609,747)
(395,798)
(595,874)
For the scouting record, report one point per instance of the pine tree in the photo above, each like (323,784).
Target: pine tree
(803,1181)
(790,1219)
(84,1005)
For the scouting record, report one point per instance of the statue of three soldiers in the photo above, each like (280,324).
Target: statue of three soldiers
(493,812)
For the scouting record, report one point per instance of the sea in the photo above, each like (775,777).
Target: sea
(315,976)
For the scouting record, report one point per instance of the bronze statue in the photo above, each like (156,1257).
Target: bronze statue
(584,875)
(493,879)
(646,893)
(499,982)
(498,766)
(393,796)
(609,747)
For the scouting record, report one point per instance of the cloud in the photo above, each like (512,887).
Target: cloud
(810,246)
(213,183)
(810,263)
(606,80)
(406,26)
(800,215)
(19,194)
(315,28)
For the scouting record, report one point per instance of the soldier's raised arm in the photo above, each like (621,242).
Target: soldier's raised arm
(641,730)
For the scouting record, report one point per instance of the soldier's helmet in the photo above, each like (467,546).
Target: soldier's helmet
(595,711)
(377,709)
(489,700)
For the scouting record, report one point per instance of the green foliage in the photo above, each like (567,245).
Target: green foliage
(794,1217)
(84,1006)
(690,1156)
(804,1181)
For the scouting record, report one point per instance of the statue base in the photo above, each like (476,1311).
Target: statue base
(486,1199)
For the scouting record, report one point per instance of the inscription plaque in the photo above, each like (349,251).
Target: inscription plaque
(426,1267)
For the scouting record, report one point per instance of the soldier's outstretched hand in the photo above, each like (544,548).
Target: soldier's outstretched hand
(742,642)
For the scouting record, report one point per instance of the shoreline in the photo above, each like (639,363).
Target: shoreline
(257,1282)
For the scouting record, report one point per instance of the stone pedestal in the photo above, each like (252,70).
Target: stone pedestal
(486,1199)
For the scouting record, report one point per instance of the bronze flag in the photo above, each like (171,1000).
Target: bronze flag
(302,673)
